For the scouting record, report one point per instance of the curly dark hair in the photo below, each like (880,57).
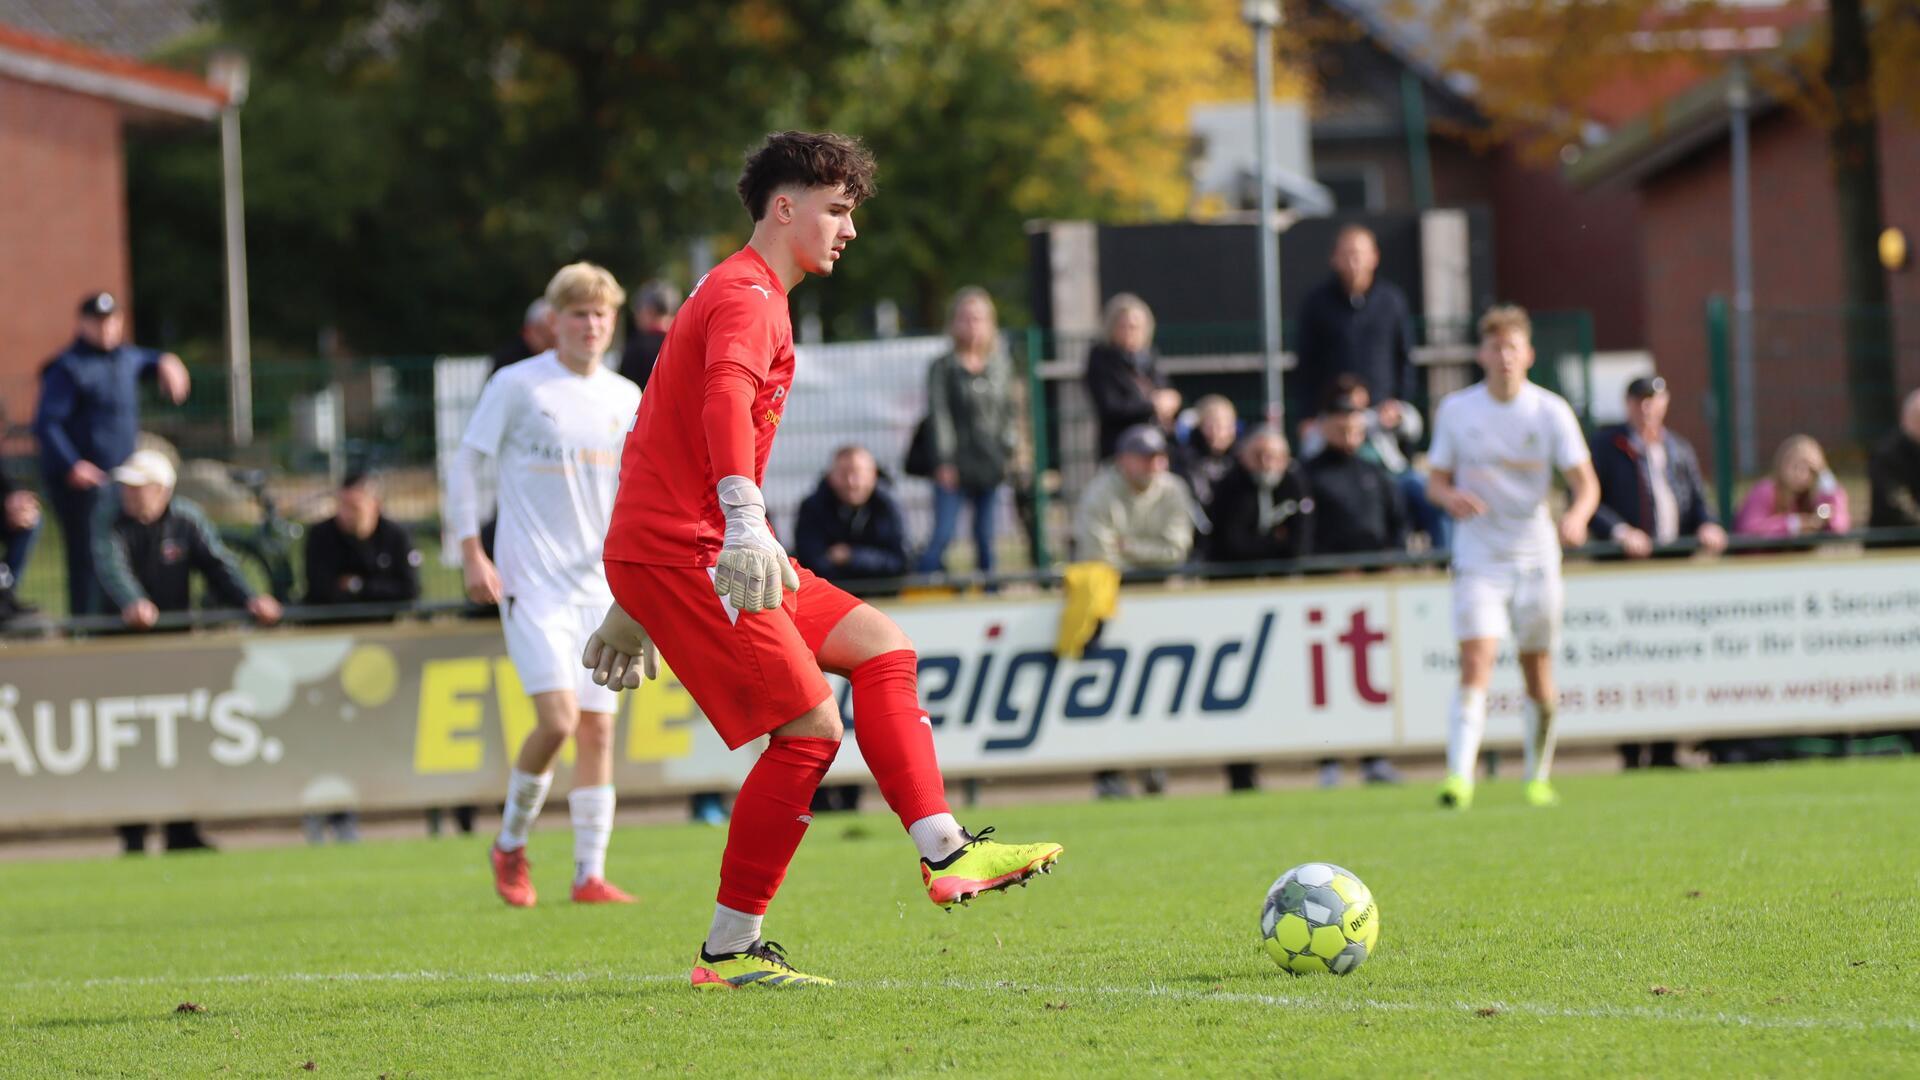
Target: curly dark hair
(805,159)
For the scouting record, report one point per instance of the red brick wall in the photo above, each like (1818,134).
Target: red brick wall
(1686,224)
(1558,248)
(63,225)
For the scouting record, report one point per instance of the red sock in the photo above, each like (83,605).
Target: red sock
(769,818)
(898,745)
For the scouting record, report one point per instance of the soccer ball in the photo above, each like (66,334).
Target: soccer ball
(1319,917)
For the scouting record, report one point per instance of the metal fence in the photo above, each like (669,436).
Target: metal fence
(316,420)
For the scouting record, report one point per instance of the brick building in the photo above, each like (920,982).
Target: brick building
(1679,169)
(1555,246)
(63,206)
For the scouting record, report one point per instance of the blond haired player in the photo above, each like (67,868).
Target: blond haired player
(554,423)
(1495,449)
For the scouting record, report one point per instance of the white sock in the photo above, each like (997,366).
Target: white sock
(1465,727)
(1537,726)
(592,826)
(732,931)
(526,794)
(937,836)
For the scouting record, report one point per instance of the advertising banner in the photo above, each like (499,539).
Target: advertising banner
(419,715)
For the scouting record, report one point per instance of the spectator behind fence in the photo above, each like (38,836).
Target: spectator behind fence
(1263,510)
(1357,506)
(971,429)
(1801,498)
(1651,490)
(1123,375)
(1391,447)
(359,555)
(19,528)
(1651,493)
(534,338)
(1894,473)
(850,528)
(146,549)
(86,423)
(1135,514)
(149,545)
(1354,324)
(1208,453)
(653,306)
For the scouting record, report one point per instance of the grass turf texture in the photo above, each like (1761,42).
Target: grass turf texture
(1752,920)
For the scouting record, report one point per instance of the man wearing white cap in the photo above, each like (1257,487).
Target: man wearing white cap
(148,547)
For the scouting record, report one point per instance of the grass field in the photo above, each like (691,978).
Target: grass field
(1763,920)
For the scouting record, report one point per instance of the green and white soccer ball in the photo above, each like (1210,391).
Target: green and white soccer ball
(1319,918)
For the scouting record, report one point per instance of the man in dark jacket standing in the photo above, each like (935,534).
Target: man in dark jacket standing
(1263,510)
(1354,324)
(1357,506)
(653,306)
(1651,491)
(850,529)
(1124,378)
(87,421)
(1894,472)
(359,555)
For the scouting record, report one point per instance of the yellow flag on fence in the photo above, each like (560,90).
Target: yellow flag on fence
(1093,594)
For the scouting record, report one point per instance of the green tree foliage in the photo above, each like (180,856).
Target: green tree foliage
(415,170)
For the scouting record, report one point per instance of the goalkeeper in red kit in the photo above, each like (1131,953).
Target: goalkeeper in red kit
(699,579)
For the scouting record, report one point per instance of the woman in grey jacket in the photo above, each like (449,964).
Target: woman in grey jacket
(972,422)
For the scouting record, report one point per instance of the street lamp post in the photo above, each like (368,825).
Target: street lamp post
(1739,104)
(229,72)
(1263,16)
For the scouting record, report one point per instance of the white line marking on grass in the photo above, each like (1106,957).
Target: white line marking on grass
(1154,991)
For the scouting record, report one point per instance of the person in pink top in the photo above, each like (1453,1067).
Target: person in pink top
(1801,497)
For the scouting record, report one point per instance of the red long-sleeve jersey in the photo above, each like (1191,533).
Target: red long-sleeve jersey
(710,410)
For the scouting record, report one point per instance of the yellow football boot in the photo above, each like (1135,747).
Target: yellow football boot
(763,965)
(983,866)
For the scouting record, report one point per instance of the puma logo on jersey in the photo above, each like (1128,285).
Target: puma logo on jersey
(763,290)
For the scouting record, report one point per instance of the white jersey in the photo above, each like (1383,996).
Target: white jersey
(1505,452)
(557,437)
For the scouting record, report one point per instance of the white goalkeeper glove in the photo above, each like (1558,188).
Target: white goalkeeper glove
(620,652)
(753,568)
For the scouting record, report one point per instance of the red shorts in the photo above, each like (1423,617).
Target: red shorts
(748,673)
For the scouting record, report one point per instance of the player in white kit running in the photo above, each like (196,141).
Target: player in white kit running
(555,424)
(1495,448)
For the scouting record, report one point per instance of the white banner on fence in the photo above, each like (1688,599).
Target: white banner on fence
(1675,651)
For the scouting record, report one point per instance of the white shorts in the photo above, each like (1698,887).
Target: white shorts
(1524,601)
(545,640)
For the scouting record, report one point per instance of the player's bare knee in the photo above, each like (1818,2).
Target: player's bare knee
(820,722)
(594,732)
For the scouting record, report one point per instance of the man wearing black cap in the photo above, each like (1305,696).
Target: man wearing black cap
(1651,494)
(87,421)
(1651,491)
